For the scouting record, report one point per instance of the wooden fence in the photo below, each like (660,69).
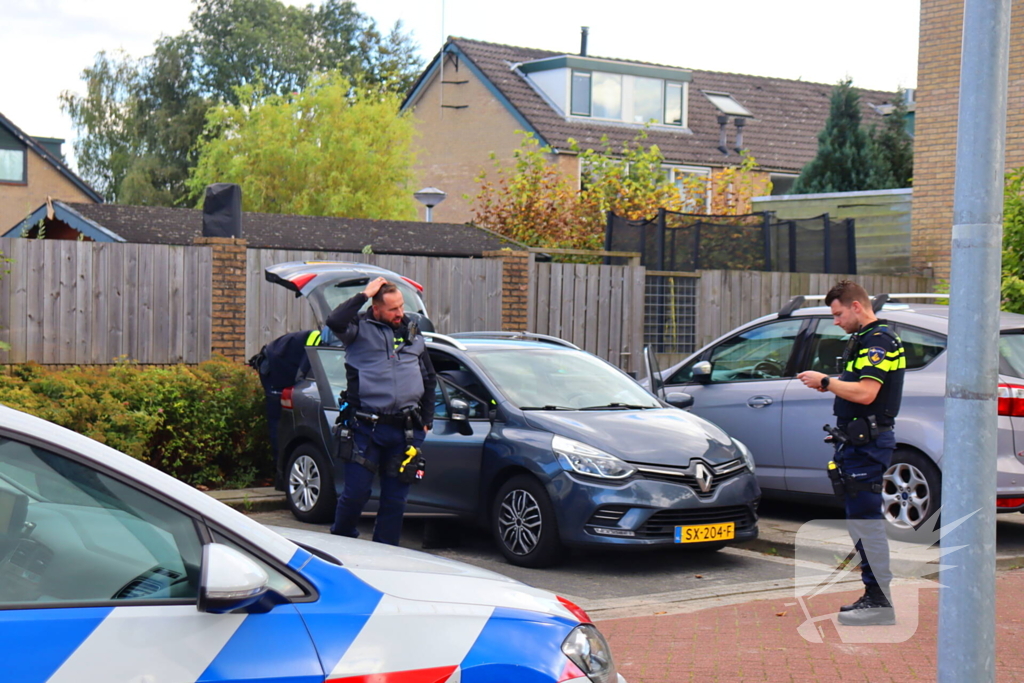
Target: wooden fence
(66,302)
(598,308)
(461,294)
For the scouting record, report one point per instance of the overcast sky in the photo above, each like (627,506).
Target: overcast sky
(45,44)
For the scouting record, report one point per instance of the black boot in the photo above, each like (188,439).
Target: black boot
(854,605)
(874,610)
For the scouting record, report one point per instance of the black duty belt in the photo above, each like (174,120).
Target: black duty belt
(376,419)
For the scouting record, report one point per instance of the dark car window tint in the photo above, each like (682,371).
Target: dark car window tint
(333,363)
(827,348)
(461,383)
(920,346)
(1011,348)
(69,533)
(756,354)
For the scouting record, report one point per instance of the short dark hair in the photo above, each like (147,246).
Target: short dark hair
(846,292)
(386,288)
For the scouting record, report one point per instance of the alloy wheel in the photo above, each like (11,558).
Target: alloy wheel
(520,522)
(906,497)
(304,483)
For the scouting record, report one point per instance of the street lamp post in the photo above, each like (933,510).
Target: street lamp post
(430,197)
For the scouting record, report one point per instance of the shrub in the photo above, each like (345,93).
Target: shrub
(203,424)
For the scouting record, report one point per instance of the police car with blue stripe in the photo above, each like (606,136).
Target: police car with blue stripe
(112,571)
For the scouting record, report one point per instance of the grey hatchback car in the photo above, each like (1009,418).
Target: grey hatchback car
(544,444)
(745,382)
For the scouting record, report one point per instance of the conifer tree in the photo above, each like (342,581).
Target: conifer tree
(843,162)
(892,150)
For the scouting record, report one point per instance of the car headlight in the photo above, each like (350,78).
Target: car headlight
(579,457)
(587,649)
(748,457)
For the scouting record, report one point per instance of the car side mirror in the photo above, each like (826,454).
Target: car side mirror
(230,580)
(679,399)
(702,372)
(460,410)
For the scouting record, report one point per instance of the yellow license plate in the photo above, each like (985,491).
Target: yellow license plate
(703,533)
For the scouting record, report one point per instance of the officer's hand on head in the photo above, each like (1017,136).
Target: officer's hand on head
(374,286)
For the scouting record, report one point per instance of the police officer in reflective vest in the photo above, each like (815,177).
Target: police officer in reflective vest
(868,394)
(391,388)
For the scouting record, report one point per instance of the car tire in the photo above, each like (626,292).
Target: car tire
(309,485)
(911,493)
(523,523)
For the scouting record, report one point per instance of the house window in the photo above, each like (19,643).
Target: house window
(647,104)
(580,93)
(12,165)
(606,96)
(694,185)
(673,103)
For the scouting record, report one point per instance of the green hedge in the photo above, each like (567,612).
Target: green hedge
(204,424)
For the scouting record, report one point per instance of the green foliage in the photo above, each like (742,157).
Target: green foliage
(892,150)
(1013,242)
(203,424)
(534,202)
(139,120)
(331,149)
(843,162)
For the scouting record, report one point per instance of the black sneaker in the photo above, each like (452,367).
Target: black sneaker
(854,605)
(873,610)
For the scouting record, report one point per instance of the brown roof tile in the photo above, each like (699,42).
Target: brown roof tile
(782,136)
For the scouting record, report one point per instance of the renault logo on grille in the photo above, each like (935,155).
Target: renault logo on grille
(703,475)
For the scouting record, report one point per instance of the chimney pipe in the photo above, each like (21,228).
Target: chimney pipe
(740,122)
(722,142)
(584,32)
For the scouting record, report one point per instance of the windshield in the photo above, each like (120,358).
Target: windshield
(1011,348)
(337,294)
(542,378)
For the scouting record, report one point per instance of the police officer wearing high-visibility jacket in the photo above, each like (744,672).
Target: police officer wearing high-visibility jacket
(391,389)
(868,394)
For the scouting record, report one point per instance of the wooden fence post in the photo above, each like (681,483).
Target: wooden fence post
(227,295)
(515,287)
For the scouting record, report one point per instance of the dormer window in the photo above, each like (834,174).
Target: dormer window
(727,104)
(612,91)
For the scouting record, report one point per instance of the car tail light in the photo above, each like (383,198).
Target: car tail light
(286,398)
(301,281)
(1009,502)
(1011,400)
(418,286)
(576,610)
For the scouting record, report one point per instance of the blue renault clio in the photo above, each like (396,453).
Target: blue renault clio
(544,444)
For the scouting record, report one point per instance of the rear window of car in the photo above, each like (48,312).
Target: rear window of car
(920,346)
(1011,349)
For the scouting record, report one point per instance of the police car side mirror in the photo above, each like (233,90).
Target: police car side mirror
(679,399)
(229,580)
(460,410)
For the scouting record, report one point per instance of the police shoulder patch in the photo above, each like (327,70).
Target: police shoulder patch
(876,354)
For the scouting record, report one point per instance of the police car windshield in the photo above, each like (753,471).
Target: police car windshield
(338,294)
(560,379)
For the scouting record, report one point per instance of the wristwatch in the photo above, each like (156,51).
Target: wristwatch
(824,382)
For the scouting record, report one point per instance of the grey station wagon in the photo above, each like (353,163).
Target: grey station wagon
(745,382)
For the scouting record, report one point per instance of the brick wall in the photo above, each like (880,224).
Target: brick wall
(938,81)
(515,287)
(228,295)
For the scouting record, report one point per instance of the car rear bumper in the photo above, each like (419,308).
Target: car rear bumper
(645,513)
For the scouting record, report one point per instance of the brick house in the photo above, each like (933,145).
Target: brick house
(938,84)
(32,169)
(474,106)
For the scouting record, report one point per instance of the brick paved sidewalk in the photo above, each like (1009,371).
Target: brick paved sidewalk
(760,641)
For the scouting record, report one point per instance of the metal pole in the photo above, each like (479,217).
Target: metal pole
(967,635)
(430,214)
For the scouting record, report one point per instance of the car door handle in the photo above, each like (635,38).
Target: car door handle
(759,401)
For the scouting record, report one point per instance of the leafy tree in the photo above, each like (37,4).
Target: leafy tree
(139,120)
(534,202)
(843,162)
(331,149)
(892,150)
(1013,242)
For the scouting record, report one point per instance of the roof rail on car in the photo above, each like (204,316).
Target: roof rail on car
(515,335)
(877,301)
(444,339)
